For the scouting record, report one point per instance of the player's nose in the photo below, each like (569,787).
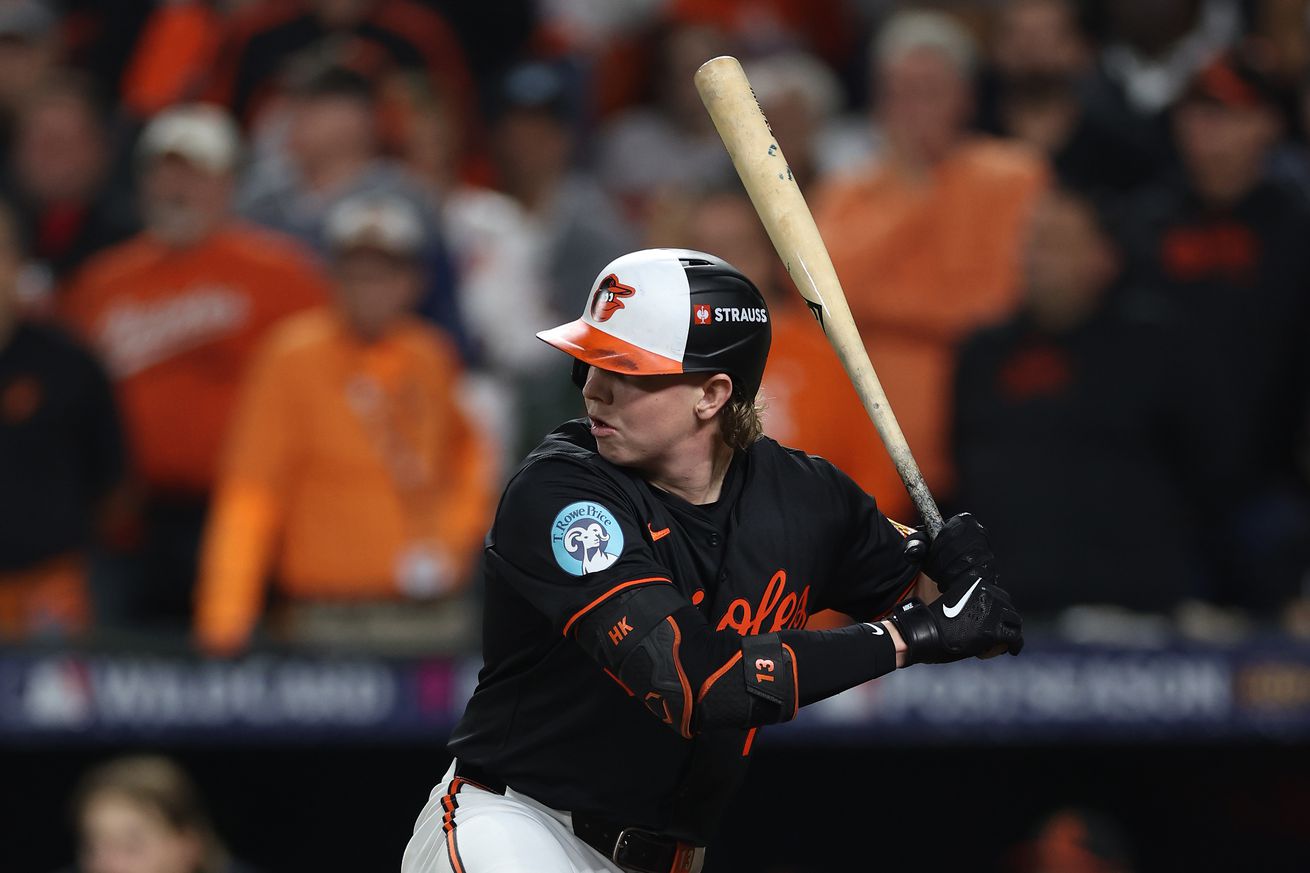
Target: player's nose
(599,387)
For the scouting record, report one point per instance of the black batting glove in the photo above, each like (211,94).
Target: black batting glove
(973,620)
(960,553)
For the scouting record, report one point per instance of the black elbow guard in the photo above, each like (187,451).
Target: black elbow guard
(635,637)
(638,639)
(757,687)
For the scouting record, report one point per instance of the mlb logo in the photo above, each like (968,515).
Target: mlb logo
(703,314)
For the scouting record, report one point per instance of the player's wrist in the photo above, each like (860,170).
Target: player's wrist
(898,641)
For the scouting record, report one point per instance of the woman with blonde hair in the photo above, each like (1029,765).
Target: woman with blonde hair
(143,814)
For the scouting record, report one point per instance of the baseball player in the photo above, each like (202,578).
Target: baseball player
(649,574)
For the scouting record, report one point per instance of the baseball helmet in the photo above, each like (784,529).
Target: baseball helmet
(661,311)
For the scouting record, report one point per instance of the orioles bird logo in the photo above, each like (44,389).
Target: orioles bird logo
(607,299)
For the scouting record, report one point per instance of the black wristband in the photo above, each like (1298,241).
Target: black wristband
(917,629)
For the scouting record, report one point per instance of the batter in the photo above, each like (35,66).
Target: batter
(649,575)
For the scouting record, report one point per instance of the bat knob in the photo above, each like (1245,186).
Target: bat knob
(916,547)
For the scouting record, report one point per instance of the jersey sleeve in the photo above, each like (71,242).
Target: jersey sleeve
(873,574)
(567,539)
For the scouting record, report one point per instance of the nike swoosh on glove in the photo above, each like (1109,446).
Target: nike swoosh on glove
(966,621)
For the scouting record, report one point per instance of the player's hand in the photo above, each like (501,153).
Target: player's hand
(960,553)
(970,620)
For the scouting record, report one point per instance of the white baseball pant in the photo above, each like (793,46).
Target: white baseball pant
(465,829)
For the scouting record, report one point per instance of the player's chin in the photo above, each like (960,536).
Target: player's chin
(613,448)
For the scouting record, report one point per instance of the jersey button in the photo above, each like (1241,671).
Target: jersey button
(714,539)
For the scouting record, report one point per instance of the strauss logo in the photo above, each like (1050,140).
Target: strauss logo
(607,299)
(592,539)
(703,314)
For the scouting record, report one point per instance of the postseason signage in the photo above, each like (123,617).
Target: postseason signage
(114,697)
(1052,693)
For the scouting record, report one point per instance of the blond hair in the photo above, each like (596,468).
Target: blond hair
(741,423)
(156,784)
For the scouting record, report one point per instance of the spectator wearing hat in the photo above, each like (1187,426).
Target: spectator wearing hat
(352,476)
(534,145)
(572,226)
(1223,249)
(61,455)
(927,240)
(332,153)
(174,313)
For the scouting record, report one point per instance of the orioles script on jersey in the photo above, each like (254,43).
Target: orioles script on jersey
(789,611)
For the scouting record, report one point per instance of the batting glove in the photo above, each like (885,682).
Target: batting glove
(960,553)
(966,621)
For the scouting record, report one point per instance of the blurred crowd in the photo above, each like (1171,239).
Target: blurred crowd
(270,273)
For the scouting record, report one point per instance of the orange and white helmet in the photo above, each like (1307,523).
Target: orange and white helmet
(661,311)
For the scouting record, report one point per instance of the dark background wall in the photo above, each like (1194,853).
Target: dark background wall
(334,807)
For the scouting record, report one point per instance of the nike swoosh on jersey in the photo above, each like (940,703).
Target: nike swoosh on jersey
(656,535)
(953,611)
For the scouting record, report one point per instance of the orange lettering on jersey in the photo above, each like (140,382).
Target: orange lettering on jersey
(788,610)
(620,630)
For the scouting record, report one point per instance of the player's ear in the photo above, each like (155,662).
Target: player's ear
(716,391)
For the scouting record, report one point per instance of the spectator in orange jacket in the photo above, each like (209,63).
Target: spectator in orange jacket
(352,475)
(174,313)
(927,242)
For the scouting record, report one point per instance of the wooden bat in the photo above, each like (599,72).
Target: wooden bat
(781,206)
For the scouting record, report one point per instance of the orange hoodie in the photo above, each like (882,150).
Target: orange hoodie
(343,458)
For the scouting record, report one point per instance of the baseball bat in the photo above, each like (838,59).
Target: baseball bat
(777,198)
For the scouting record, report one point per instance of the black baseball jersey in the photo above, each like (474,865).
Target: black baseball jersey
(790,534)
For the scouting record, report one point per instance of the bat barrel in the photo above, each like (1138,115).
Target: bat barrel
(777,198)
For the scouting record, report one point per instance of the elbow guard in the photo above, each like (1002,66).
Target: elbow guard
(636,639)
(661,650)
(757,686)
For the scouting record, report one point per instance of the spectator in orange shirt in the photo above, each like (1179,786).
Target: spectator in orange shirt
(174,313)
(352,476)
(927,241)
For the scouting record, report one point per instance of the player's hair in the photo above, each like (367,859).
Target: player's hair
(741,423)
(160,786)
